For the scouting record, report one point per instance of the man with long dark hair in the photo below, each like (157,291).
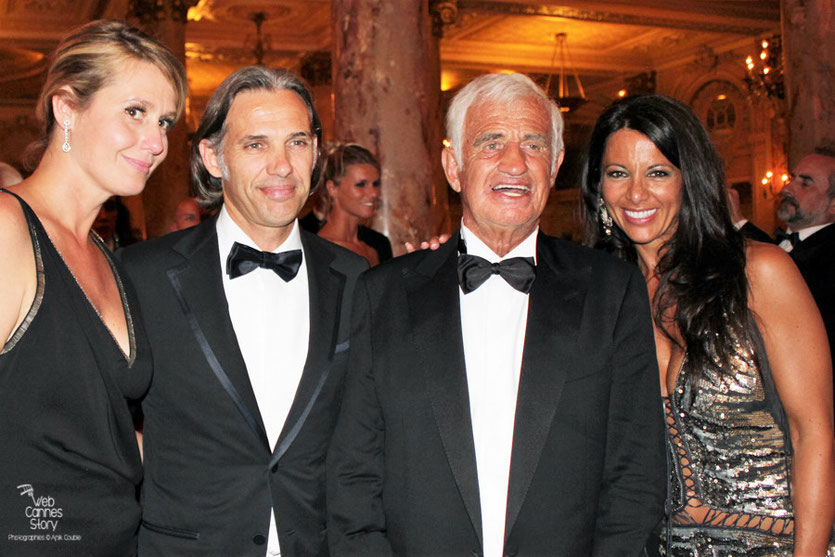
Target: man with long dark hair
(247,317)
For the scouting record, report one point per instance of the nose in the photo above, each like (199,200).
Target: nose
(790,186)
(155,139)
(513,160)
(637,190)
(279,164)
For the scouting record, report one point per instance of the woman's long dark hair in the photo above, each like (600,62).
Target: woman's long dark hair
(701,268)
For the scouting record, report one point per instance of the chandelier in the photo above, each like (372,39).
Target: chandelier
(765,72)
(260,45)
(561,61)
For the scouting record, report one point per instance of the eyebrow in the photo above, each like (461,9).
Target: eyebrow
(253,137)
(148,105)
(486,137)
(536,136)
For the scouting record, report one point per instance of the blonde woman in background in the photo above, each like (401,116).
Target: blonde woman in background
(351,180)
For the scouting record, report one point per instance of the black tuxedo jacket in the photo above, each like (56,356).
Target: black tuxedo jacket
(750,230)
(815,257)
(210,476)
(587,469)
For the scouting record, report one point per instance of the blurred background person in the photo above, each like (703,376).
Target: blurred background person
(74,351)
(807,206)
(187,214)
(744,365)
(112,224)
(748,228)
(351,179)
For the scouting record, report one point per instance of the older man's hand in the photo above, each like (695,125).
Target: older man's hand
(433,243)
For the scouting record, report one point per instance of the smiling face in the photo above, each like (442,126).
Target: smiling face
(642,191)
(269,152)
(505,176)
(358,191)
(120,138)
(805,201)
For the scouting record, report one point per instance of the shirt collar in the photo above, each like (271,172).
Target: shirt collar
(526,248)
(806,232)
(228,232)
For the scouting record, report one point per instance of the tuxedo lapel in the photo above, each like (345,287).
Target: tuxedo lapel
(435,313)
(198,285)
(326,286)
(554,313)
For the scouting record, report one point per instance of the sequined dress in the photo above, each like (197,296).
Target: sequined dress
(730,457)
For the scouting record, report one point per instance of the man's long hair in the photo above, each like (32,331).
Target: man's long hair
(213,122)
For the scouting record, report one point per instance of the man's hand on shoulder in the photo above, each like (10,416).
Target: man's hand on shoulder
(433,243)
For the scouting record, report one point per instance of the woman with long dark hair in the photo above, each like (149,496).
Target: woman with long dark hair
(742,353)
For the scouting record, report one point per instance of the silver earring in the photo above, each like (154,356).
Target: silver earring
(605,218)
(66,146)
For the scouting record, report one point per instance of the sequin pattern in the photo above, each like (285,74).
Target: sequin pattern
(731,461)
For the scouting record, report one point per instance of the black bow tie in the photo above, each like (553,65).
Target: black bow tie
(792,237)
(244,259)
(519,272)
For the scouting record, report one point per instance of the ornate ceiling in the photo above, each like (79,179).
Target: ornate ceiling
(607,41)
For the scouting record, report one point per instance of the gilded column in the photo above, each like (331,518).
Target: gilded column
(809,50)
(386,87)
(166,21)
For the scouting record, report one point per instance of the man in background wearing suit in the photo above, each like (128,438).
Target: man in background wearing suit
(502,394)
(248,345)
(807,206)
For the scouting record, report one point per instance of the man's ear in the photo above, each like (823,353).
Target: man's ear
(557,165)
(451,168)
(210,158)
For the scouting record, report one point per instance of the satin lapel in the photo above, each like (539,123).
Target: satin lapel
(325,289)
(555,310)
(198,285)
(435,313)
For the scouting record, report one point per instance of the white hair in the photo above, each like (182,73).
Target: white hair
(504,88)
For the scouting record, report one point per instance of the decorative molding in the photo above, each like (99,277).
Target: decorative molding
(444,14)
(46,6)
(239,56)
(599,16)
(149,11)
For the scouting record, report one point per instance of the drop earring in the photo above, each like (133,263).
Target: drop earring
(605,218)
(66,146)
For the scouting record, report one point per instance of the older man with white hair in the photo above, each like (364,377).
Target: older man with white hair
(502,392)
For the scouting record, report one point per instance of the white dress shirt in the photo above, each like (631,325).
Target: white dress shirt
(271,319)
(801,235)
(493,322)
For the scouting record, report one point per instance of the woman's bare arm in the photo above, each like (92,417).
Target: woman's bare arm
(798,352)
